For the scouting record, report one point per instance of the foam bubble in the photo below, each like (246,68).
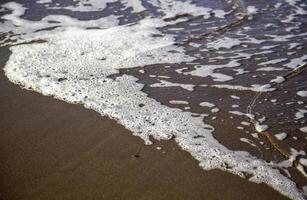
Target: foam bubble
(208,70)
(278,79)
(302,93)
(281,136)
(260,127)
(295,62)
(254,87)
(304,129)
(178,102)
(164,83)
(224,42)
(300,113)
(207,104)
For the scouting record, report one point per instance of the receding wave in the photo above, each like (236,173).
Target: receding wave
(192,71)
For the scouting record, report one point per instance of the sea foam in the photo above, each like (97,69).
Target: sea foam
(75,65)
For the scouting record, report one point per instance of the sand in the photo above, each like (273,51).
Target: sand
(50,149)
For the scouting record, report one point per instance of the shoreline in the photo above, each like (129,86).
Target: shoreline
(55,150)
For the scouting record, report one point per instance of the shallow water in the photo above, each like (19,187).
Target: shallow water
(170,70)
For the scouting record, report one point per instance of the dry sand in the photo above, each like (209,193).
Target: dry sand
(54,150)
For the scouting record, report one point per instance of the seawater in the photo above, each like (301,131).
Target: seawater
(177,69)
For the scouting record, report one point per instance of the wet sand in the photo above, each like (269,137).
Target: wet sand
(55,150)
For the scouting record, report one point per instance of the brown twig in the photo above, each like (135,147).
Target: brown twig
(270,137)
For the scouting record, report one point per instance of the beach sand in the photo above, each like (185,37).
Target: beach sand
(50,149)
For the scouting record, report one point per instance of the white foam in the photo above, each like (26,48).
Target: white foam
(120,98)
(252,10)
(273,100)
(77,55)
(215,110)
(234,97)
(137,6)
(262,119)
(247,141)
(281,136)
(300,113)
(95,5)
(268,69)
(260,127)
(245,123)
(278,79)
(44,1)
(304,129)
(240,71)
(164,83)
(303,161)
(26,30)
(274,61)
(292,2)
(234,112)
(171,8)
(255,87)
(294,45)
(73,65)
(178,102)
(82,6)
(295,62)
(302,93)
(208,70)
(207,104)
(220,13)
(224,42)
